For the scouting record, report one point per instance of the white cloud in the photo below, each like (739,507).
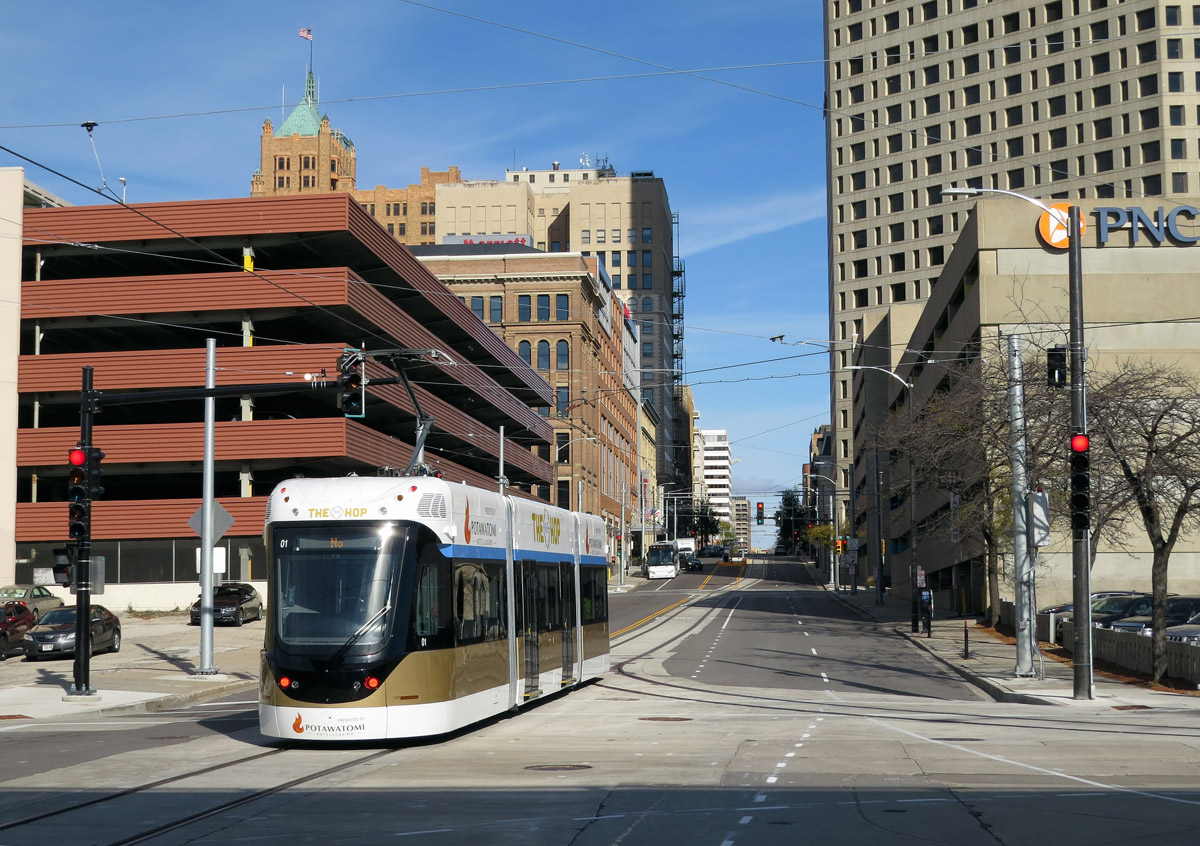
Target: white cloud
(729,223)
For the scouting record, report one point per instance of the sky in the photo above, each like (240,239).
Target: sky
(721,100)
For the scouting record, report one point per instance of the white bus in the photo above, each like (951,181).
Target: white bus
(662,560)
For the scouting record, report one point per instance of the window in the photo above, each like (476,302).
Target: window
(616,236)
(561,310)
(424,208)
(585,236)
(646,258)
(971,95)
(543,307)
(647,304)
(1151,152)
(616,280)
(1178,148)
(561,448)
(496,310)
(647,349)
(1102,128)
(647,281)
(562,355)
(1013,116)
(646,235)
(525,351)
(562,399)
(1056,74)
(1176,115)
(1149,118)
(1014,147)
(401,228)
(1058,106)
(1102,96)
(631,259)
(1016,178)
(1104,160)
(1012,84)
(543,355)
(1058,170)
(1147,85)
(1147,52)
(1058,138)
(477,306)
(973,125)
(1179,183)
(523,308)
(1100,63)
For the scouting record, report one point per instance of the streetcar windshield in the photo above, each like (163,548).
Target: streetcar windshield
(660,555)
(333,585)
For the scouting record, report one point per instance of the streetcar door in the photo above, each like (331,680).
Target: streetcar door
(528,587)
(567,592)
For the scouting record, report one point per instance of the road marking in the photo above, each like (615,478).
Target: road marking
(651,617)
(824,678)
(762,797)
(1045,771)
(745,820)
(814,650)
(731,610)
(771,779)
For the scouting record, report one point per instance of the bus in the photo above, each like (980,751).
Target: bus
(410,606)
(662,560)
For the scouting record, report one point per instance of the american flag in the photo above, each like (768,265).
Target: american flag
(306,32)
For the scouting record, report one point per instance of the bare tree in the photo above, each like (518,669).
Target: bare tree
(1149,419)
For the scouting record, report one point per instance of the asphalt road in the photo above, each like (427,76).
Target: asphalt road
(716,726)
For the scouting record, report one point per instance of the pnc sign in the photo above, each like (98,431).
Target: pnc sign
(1163,226)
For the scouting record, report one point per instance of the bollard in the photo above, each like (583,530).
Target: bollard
(966,641)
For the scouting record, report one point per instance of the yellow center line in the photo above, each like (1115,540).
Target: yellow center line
(658,613)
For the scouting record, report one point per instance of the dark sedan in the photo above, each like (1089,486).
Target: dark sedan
(690,562)
(54,635)
(1179,610)
(1107,611)
(234,603)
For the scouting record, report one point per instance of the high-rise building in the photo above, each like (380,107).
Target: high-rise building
(626,222)
(741,520)
(1075,100)
(717,472)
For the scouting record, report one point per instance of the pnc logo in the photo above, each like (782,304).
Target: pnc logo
(1054,226)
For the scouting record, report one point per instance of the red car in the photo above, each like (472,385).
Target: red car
(16,618)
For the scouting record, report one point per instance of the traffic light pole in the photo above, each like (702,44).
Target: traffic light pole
(1080,558)
(83,556)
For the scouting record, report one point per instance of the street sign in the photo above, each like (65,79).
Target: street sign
(222,521)
(920,577)
(853,544)
(220,556)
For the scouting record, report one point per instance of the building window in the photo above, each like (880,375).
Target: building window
(496,310)
(646,235)
(600,233)
(543,355)
(562,398)
(647,304)
(647,281)
(585,236)
(543,307)
(647,349)
(646,258)
(562,356)
(523,308)
(477,306)
(525,351)
(616,236)
(616,280)
(561,450)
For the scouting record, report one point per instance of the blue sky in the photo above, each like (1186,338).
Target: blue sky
(484,86)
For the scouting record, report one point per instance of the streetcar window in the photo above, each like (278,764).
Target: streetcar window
(549,611)
(479,602)
(431,602)
(593,587)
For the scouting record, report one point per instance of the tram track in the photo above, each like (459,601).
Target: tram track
(96,814)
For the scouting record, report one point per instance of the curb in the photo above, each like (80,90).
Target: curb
(988,685)
(174,700)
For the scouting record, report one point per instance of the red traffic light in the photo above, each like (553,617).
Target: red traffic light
(1080,443)
(77,457)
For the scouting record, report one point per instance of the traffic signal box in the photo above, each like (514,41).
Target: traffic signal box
(1081,484)
(759,513)
(79,504)
(352,385)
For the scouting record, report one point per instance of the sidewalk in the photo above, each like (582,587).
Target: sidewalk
(155,670)
(990,663)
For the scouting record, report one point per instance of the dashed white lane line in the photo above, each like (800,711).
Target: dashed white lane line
(824,678)
(745,820)
(761,797)
(814,650)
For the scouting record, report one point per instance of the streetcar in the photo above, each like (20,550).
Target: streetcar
(410,606)
(662,560)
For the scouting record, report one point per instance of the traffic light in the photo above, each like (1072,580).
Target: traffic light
(95,473)
(1056,367)
(352,385)
(63,569)
(79,506)
(760,513)
(1081,483)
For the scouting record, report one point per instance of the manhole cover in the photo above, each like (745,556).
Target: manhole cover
(959,739)
(553,768)
(1131,707)
(666,719)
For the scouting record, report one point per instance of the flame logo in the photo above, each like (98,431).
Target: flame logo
(467,524)
(298,726)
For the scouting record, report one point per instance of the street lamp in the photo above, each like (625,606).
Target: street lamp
(912,508)
(832,522)
(1080,570)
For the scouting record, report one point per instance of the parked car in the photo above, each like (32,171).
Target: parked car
(1179,609)
(781,550)
(1067,607)
(234,603)
(16,618)
(1107,611)
(691,562)
(1188,632)
(37,598)
(54,634)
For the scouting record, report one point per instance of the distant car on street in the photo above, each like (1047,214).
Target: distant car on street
(38,599)
(781,550)
(54,634)
(234,603)
(692,562)
(16,618)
